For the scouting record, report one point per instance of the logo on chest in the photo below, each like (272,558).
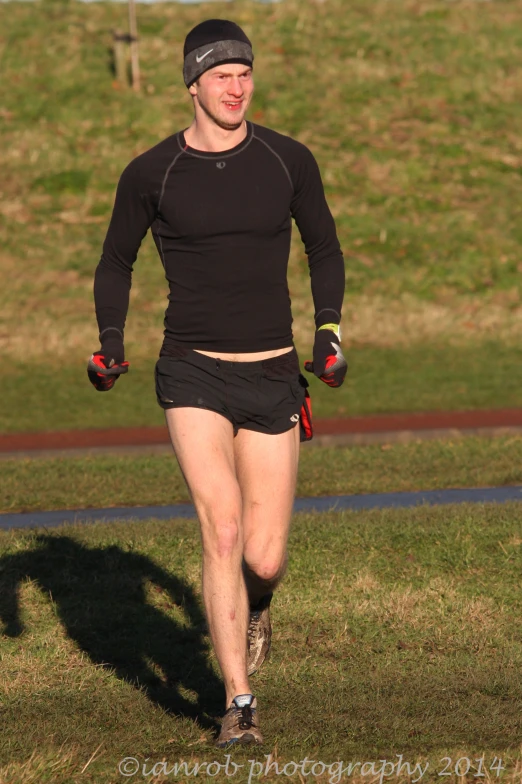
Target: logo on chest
(221,164)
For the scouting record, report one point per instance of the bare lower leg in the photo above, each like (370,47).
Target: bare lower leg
(226,605)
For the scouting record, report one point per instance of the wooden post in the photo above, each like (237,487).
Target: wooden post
(119,47)
(135,60)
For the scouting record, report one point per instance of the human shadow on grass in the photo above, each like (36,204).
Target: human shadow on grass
(100,597)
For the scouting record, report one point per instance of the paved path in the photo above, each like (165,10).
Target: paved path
(324,504)
(380,428)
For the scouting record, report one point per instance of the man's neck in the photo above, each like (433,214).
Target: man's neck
(212,138)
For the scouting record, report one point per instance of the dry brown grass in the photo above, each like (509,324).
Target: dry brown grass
(439,602)
(32,323)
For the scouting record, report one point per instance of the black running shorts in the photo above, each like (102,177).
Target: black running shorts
(265,396)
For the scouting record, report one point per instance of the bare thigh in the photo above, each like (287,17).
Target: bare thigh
(203,442)
(266,468)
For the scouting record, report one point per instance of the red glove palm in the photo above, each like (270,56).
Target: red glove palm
(103,371)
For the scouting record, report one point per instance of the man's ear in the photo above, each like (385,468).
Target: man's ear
(193,89)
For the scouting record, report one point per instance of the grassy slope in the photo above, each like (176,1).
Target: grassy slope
(413,118)
(395,632)
(29,485)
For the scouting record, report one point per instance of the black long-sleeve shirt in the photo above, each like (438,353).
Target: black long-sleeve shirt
(222,223)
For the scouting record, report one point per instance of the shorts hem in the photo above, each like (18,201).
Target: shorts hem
(167,406)
(268,433)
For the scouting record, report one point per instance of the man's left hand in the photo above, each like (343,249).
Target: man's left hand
(329,363)
(103,371)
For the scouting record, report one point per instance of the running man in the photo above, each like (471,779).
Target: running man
(219,198)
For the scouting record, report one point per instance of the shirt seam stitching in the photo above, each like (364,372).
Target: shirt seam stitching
(283,164)
(162,193)
(165,177)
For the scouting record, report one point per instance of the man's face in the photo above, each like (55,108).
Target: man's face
(224,94)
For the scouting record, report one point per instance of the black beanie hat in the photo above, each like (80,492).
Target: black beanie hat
(212,43)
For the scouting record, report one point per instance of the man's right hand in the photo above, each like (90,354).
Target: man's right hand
(105,366)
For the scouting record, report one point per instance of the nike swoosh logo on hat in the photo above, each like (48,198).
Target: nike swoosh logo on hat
(199,59)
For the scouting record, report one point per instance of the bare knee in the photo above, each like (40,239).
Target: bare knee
(268,568)
(222,536)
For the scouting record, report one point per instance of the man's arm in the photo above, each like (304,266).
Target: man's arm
(133,213)
(326,264)
(317,228)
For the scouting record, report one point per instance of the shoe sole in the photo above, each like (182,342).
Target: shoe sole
(266,657)
(243,740)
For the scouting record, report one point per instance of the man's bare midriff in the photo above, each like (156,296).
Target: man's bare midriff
(253,357)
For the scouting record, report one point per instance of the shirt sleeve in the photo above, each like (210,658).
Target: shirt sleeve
(317,229)
(133,213)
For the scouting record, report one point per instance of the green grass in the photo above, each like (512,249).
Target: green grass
(380,380)
(410,110)
(410,115)
(109,481)
(395,632)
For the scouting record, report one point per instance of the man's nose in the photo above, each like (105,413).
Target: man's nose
(235,87)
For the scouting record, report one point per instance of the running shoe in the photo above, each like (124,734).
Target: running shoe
(240,722)
(259,634)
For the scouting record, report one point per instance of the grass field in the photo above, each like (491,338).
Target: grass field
(412,109)
(395,632)
(111,481)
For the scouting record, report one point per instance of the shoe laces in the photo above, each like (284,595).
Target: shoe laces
(244,715)
(245,720)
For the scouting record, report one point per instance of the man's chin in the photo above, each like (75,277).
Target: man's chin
(231,124)
(227,123)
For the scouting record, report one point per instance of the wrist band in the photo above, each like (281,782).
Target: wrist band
(335,328)
(327,310)
(108,329)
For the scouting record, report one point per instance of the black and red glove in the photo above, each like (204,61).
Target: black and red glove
(306,429)
(107,365)
(329,363)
